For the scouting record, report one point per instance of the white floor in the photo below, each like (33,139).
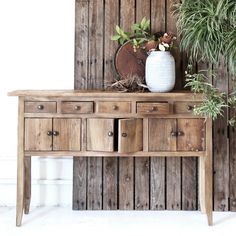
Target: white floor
(56,221)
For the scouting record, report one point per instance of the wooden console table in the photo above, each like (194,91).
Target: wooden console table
(98,123)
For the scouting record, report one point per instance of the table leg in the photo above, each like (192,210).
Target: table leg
(201,181)
(27,181)
(20,164)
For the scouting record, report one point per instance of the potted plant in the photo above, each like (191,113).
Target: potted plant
(160,64)
(208,32)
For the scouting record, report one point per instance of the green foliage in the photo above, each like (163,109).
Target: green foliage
(139,35)
(214,100)
(208,29)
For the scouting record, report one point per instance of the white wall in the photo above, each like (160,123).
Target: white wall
(36,52)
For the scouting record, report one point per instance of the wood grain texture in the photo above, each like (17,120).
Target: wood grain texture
(40,107)
(141,183)
(114,107)
(94,192)
(126,165)
(130,137)
(81,76)
(76,107)
(189,183)
(153,108)
(110,193)
(20,164)
(81,44)
(158,164)
(69,134)
(27,184)
(160,138)
(192,137)
(232,150)
(126,183)
(110,165)
(157,183)
(221,155)
(173,183)
(79,183)
(36,134)
(95,80)
(100,135)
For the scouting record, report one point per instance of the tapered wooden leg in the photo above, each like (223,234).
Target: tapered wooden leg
(208,172)
(201,181)
(27,187)
(20,164)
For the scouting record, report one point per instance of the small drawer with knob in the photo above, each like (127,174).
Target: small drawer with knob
(76,107)
(157,108)
(184,107)
(113,107)
(40,107)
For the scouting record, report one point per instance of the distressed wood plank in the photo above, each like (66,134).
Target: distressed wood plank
(189,183)
(94,192)
(141,183)
(142,163)
(173,183)
(95,81)
(220,150)
(157,164)
(126,165)
(81,76)
(157,183)
(79,183)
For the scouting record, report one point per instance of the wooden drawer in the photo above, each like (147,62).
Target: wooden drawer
(161,108)
(40,107)
(184,107)
(76,107)
(114,107)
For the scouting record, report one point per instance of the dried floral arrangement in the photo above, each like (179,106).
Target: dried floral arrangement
(141,37)
(130,84)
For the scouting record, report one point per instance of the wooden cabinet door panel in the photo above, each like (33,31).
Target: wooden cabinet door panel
(100,135)
(130,135)
(66,134)
(36,134)
(192,135)
(159,135)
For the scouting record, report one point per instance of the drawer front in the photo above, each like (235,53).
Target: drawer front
(40,107)
(161,108)
(76,107)
(184,107)
(114,107)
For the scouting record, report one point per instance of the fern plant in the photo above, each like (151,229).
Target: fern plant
(208,31)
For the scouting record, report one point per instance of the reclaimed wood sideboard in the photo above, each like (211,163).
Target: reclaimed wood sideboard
(101,123)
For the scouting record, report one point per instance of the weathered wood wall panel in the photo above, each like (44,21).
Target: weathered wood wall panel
(142,183)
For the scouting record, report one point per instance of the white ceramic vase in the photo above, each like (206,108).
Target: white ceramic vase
(160,71)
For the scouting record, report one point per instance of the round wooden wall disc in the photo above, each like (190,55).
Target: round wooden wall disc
(129,63)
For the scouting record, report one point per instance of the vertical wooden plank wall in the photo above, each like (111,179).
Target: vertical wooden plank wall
(142,183)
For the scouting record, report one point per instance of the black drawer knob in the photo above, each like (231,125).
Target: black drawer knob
(115,107)
(49,133)
(174,134)
(55,133)
(190,108)
(110,133)
(124,135)
(40,107)
(77,107)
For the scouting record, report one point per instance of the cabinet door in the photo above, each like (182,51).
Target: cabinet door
(37,137)
(100,135)
(192,135)
(130,135)
(159,135)
(66,134)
